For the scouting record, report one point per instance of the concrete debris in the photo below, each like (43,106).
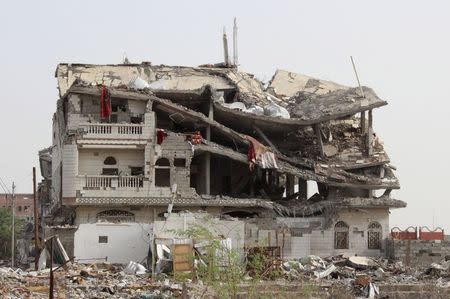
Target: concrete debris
(134,268)
(362,262)
(274,110)
(138,83)
(113,281)
(332,268)
(81,281)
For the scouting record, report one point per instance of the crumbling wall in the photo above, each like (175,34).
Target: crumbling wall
(419,252)
(58,130)
(66,236)
(74,105)
(178,223)
(69,169)
(176,148)
(292,235)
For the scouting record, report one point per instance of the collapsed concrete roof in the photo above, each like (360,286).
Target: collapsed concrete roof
(321,172)
(310,101)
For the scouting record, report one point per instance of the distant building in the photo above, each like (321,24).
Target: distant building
(23,205)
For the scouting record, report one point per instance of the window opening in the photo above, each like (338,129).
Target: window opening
(341,230)
(179,162)
(110,171)
(374,235)
(110,161)
(162,172)
(115,216)
(136,170)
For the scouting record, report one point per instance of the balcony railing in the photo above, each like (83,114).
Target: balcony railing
(116,182)
(113,130)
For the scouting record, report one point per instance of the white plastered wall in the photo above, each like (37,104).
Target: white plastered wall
(322,241)
(91,160)
(125,242)
(70,169)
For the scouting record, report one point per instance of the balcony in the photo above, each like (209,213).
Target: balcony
(113,131)
(102,182)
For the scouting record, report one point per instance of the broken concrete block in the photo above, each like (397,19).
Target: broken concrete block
(330,150)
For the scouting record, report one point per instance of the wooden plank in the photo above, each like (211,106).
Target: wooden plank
(182,257)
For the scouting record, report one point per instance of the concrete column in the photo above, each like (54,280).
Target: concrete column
(290,183)
(208,155)
(363,122)
(303,189)
(271,176)
(318,132)
(369,134)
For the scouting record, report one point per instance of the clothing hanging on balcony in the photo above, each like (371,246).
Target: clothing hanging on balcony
(194,137)
(160,135)
(105,103)
(259,154)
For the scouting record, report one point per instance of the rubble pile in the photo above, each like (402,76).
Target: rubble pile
(84,281)
(360,276)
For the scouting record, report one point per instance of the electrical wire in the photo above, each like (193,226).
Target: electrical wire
(4,186)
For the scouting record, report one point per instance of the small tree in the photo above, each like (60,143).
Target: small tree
(223,269)
(6,231)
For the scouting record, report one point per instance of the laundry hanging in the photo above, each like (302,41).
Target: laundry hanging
(160,136)
(105,103)
(259,154)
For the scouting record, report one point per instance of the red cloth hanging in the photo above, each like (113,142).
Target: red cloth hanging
(105,103)
(160,135)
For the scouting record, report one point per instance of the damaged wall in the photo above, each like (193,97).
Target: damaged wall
(419,252)
(178,223)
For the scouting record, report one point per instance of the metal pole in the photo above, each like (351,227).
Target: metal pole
(36,223)
(51,269)
(235,49)
(357,77)
(13,224)
(225,48)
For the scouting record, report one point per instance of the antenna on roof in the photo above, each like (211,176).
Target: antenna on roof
(357,78)
(235,49)
(225,48)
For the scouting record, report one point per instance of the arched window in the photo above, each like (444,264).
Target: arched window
(115,216)
(341,235)
(162,172)
(110,168)
(110,161)
(162,162)
(374,235)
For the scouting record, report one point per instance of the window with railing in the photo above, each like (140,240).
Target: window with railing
(374,235)
(341,232)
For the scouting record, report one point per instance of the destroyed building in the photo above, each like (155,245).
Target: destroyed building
(137,145)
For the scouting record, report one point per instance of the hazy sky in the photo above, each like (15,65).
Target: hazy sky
(401,48)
